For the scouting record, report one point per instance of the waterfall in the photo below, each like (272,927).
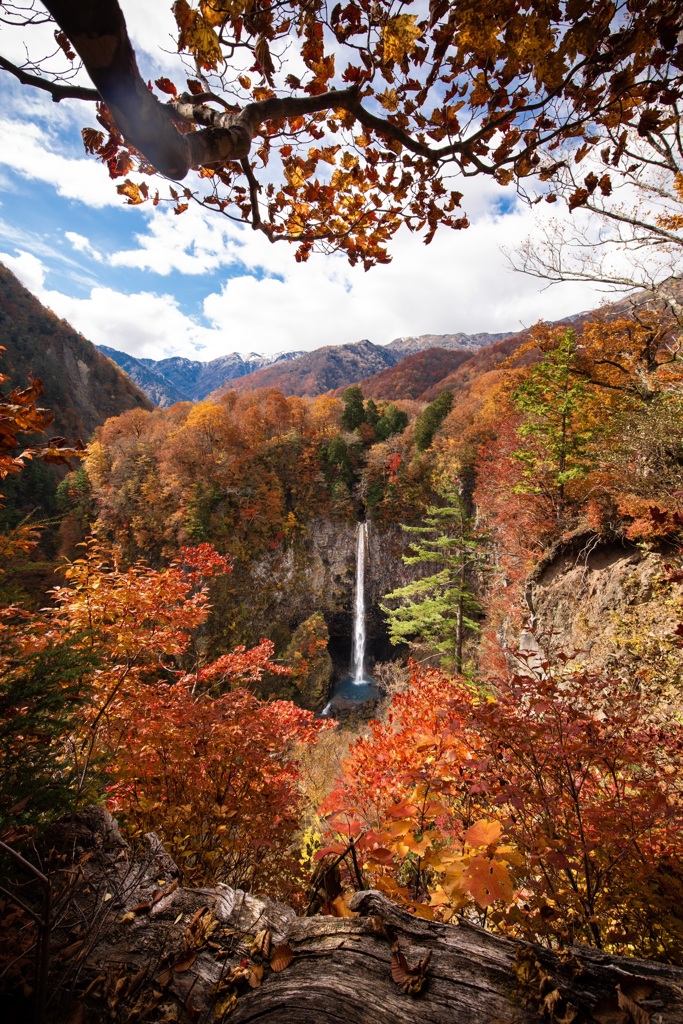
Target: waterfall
(358,656)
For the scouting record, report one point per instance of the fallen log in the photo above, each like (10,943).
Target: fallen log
(153,950)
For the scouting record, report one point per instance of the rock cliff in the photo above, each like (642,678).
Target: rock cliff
(316,572)
(610,606)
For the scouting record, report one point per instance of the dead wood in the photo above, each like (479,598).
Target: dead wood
(156,951)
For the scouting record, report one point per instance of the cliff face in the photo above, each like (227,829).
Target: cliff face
(611,607)
(316,572)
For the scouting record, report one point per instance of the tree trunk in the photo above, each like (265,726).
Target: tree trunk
(162,952)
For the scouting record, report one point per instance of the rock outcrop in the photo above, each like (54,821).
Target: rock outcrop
(609,606)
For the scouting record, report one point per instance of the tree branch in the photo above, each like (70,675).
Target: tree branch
(56,89)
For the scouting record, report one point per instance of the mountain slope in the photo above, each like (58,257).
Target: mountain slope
(314,373)
(81,386)
(412,376)
(167,381)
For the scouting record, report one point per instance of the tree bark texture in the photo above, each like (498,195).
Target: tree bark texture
(161,952)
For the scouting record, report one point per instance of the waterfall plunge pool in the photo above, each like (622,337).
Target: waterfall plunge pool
(356,687)
(348,692)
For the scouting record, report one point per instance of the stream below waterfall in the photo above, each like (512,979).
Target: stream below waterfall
(357,687)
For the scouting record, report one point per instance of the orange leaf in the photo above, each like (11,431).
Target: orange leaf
(487,880)
(281,957)
(381,856)
(483,833)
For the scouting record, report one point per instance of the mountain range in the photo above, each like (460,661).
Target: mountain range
(166,381)
(175,379)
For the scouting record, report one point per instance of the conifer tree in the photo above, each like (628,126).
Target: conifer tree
(429,421)
(354,410)
(556,429)
(441,606)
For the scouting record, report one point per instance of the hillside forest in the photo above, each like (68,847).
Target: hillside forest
(179,581)
(535,789)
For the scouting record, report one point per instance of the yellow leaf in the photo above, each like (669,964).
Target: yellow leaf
(225,1005)
(400,36)
(131,191)
(441,860)
(296,176)
(389,100)
(419,847)
(399,828)
(198,36)
(341,908)
(215,12)
(438,897)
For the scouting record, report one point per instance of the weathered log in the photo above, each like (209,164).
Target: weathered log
(156,952)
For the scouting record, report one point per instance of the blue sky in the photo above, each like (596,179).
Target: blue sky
(151,284)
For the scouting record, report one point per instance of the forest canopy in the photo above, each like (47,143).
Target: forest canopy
(331,125)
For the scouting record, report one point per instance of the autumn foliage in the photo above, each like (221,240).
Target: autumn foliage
(183,746)
(544,802)
(550,801)
(218,779)
(334,127)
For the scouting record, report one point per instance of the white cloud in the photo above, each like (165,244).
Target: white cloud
(144,323)
(192,243)
(154,35)
(459,283)
(27,268)
(266,301)
(32,153)
(83,244)
(271,303)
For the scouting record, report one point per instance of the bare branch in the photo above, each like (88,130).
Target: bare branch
(57,90)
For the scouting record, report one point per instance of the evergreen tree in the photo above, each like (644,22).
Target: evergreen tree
(354,410)
(372,413)
(429,421)
(555,401)
(42,694)
(441,606)
(392,421)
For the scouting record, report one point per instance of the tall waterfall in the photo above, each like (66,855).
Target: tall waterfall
(358,656)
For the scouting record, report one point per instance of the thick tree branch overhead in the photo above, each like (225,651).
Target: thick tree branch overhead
(98,33)
(367,114)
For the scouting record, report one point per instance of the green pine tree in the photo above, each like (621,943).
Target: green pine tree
(354,410)
(440,607)
(555,401)
(429,421)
